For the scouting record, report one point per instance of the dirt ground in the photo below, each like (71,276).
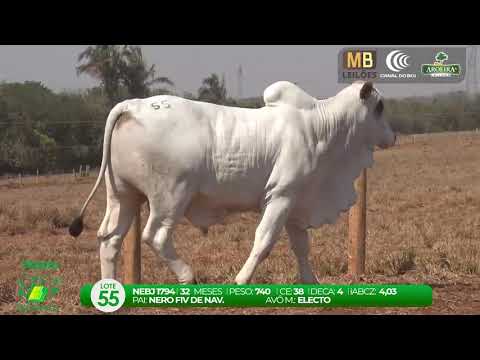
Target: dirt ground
(423,222)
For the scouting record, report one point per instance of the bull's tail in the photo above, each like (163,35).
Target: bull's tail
(76,226)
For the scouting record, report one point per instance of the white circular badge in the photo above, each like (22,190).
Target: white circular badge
(108,295)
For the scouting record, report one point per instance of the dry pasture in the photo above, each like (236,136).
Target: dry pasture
(423,222)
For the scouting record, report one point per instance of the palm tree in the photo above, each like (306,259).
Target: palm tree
(213,90)
(136,75)
(103,63)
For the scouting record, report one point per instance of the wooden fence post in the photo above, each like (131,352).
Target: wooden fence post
(357,227)
(132,265)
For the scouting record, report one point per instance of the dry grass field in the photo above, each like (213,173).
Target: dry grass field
(423,224)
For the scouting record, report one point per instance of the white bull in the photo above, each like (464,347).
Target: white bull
(294,160)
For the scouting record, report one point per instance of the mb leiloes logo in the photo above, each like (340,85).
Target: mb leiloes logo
(397,61)
(359,64)
(440,68)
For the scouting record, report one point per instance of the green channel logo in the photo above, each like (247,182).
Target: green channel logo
(38,294)
(38,287)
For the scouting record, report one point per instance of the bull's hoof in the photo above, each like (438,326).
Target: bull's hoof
(310,281)
(190,279)
(188,282)
(240,280)
(308,278)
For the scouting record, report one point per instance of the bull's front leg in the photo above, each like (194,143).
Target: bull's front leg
(267,233)
(299,243)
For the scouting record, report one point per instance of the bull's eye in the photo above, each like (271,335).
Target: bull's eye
(379,108)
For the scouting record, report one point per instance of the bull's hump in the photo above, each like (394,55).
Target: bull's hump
(287,93)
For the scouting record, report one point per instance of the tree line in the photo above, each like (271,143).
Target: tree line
(57,131)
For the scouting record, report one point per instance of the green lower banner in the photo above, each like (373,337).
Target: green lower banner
(322,295)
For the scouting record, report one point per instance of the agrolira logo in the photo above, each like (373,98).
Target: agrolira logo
(440,68)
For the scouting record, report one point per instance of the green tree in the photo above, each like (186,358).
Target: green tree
(213,90)
(45,130)
(441,57)
(189,95)
(103,62)
(254,103)
(137,76)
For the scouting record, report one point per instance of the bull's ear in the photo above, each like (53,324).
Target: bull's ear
(366,90)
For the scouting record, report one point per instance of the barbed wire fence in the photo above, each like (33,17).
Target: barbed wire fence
(24,177)
(84,171)
(425,137)
(87,170)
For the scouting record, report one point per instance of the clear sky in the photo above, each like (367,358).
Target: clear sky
(313,67)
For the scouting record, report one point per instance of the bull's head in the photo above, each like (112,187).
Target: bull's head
(378,131)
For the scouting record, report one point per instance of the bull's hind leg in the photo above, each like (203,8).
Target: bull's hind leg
(122,205)
(266,235)
(165,212)
(115,226)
